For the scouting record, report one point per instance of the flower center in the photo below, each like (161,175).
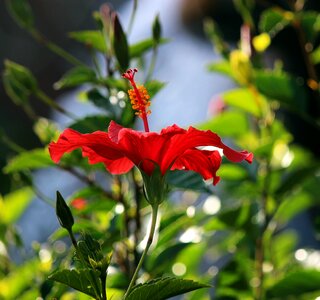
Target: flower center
(139,98)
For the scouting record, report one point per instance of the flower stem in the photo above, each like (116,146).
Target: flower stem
(145,251)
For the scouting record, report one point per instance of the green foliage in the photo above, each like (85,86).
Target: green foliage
(91,39)
(22,13)
(80,279)
(19,82)
(242,225)
(164,288)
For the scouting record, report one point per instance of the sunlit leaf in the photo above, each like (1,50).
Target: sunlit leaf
(222,67)
(164,288)
(91,38)
(229,123)
(310,22)
(13,205)
(29,160)
(20,278)
(247,100)
(80,279)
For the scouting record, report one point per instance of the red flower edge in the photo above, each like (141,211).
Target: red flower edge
(174,148)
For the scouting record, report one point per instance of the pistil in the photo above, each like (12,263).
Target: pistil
(139,97)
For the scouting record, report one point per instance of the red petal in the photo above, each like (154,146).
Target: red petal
(206,163)
(191,138)
(97,146)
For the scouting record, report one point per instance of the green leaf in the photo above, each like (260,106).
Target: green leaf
(315,56)
(273,21)
(232,172)
(156,29)
(63,213)
(21,11)
(91,123)
(154,86)
(103,102)
(120,44)
(245,100)
(29,160)
(80,279)
(164,288)
(282,87)
(19,83)
(228,124)
(222,67)
(295,177)
(310,22)
(186,180)
(46,130)
(296,284)
(75,77)
(214,34)
(19,279)
(292,206)
(139,48)
(14,204)
(91,38)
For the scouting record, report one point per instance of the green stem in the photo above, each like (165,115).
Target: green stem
(145,251)
(103,278)
(55,48)
(50,102)
(133,14)
(152,63)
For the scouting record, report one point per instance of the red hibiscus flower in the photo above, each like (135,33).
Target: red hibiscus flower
(174,148)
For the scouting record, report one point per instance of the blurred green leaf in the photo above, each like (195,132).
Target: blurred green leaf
(120,44)
(75,77)
(139,48)
(79,279)
(232,172)
(315,56)
(310,22)
(291,206)
(245,100)
(296,284)
(164,288)
(91,123)
(186,180)
(158,260)
(46,130)
(29,160)
(222,67)
(154,86)
(295,177)
(229,124)
(19,83)
(19,279)
(282,87)
(213,32)
(273,21)
(21,11)
(91,38)
(13,205)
